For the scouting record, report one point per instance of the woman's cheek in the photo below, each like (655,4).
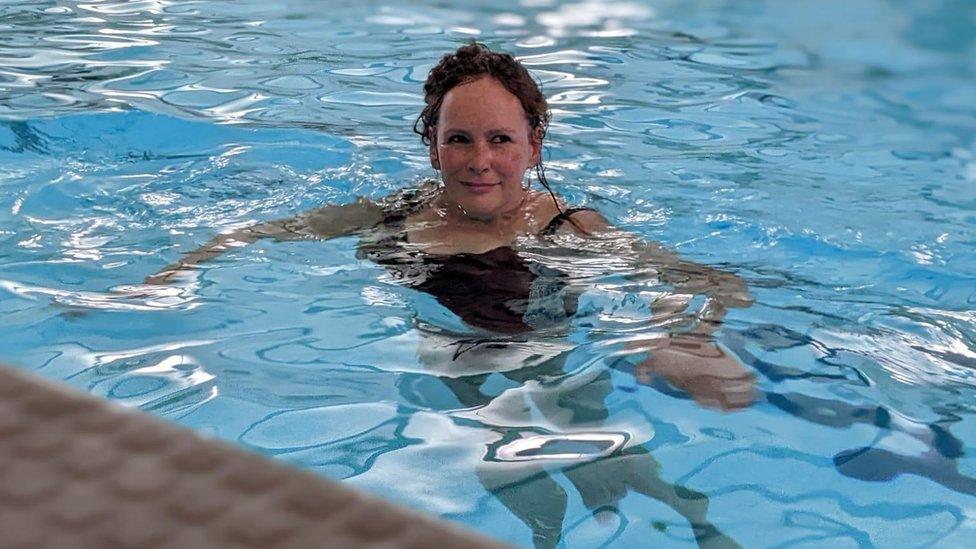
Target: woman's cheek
(510,162)
(450,162)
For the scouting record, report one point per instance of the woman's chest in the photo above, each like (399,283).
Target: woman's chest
(445,240)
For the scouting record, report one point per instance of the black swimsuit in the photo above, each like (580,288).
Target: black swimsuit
(498,290)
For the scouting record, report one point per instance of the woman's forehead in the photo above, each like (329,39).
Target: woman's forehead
(482,99)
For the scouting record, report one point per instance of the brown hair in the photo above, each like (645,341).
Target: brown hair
(470,62)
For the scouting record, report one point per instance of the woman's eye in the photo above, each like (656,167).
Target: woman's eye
(457,139)
(501,139)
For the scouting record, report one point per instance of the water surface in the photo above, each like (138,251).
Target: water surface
(823,151)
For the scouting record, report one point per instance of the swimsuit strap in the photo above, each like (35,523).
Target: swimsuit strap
(561,218)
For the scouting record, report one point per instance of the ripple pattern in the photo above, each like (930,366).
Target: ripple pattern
(829,160)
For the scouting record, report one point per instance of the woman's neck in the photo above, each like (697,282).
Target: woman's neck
(454,214)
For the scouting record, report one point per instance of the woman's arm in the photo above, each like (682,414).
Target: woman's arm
(689,360)
(326,222)
(725,290)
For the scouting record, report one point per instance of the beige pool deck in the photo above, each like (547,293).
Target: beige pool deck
(79,472)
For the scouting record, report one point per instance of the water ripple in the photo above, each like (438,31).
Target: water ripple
(176,384)
(827,160)
(126,298)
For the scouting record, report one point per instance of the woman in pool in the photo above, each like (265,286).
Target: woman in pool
(484,123)
(460,240)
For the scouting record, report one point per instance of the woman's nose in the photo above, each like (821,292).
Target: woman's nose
(480,159)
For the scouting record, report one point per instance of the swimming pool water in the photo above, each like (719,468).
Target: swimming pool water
(824,151)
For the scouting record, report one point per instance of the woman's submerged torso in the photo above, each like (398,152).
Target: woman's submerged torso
(499,289)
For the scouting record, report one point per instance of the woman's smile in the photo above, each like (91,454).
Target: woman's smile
(479,187)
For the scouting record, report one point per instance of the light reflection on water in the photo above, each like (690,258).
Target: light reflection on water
(823,151)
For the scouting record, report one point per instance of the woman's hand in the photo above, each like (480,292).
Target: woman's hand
(697,365)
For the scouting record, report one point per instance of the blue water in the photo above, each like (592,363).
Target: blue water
(823,151)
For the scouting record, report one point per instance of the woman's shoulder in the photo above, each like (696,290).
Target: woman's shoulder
(552,217)
(360,215)
(411,199)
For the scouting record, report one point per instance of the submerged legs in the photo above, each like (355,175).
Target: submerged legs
(534,496)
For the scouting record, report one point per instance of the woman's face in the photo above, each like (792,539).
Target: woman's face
(482,146)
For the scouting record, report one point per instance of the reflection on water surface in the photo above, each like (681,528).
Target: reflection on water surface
(822,151)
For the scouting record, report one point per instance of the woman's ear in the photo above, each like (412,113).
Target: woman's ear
(535,139)
(435,161)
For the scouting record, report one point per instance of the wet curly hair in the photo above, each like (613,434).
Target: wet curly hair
(473,61)
(470,62)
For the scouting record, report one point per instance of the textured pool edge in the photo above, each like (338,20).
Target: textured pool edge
(76,471)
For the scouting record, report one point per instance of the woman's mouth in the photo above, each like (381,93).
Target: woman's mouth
(478,186)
